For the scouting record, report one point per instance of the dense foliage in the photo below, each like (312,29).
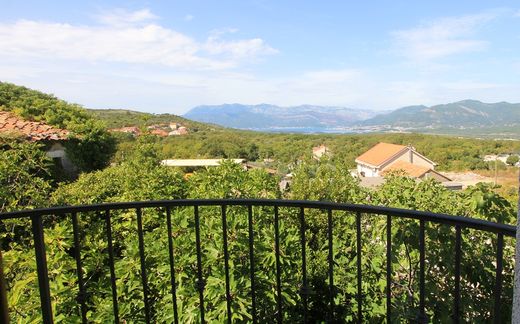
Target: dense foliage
(90,146)
(25,176)
(140,177)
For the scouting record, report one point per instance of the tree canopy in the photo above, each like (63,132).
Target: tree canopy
(90,146)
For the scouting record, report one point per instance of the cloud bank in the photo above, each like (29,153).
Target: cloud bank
(131,59)
(127,37)
(441,38)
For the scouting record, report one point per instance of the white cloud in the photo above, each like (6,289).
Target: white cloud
(188,17)
(126,37)
(441,38)
(240,49)
(131,60)
(122,17)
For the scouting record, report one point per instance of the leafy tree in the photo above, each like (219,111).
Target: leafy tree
(512,159)
(25,175)
(90,146)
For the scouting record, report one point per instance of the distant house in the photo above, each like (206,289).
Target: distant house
(51,137)
(159,132)
(179,131)
(135,131)
(319,151)
(385,157)
(198,162)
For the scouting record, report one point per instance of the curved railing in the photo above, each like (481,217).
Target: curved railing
(358,211)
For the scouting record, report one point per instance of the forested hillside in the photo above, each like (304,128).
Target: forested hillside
(465,113)
(115,118)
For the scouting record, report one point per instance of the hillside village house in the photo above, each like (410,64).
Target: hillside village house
(52,137)
(199,162)
(385,157)
(133,130)
(319,151)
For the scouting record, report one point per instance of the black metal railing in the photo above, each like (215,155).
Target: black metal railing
(358,211)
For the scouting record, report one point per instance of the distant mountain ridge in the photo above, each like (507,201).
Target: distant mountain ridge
(465,113)
(462,117)
(265,116)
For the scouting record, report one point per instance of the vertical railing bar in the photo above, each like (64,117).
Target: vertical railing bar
(172,264)
(226,261)
(422,257)
(456,306)
(304,264)
(41,266)
(111,265)
(331,267)
(79,268)
(358,261)
(4,309)
(200,280)
(388,268)
(252,261)
(278,268)
(498,278)
(142,259)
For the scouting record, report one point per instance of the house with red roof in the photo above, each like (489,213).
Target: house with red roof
(319,151)
(384,158)
(53,138)
(132,130)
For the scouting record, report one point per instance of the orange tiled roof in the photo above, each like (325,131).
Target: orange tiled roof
(130,129)
(412,170)
(33,131)
(159,132)
(319,148)
(380,153)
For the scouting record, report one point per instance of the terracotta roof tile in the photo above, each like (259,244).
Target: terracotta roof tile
(130,129)
(159,132)
(33,131)
(412,170)
(380,153)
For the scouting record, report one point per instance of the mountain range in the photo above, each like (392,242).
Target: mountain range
(466,113)
(265,116)
(462,115)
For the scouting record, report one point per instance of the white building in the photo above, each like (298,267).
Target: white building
(198,162)
(383,155)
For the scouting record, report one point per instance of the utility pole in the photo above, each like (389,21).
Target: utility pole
(496,169)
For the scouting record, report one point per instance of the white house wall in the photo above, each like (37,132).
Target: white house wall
(367,171)
(56,151)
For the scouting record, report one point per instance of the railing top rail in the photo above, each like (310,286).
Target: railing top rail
(467,222)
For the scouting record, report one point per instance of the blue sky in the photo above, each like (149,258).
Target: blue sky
(169,56)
